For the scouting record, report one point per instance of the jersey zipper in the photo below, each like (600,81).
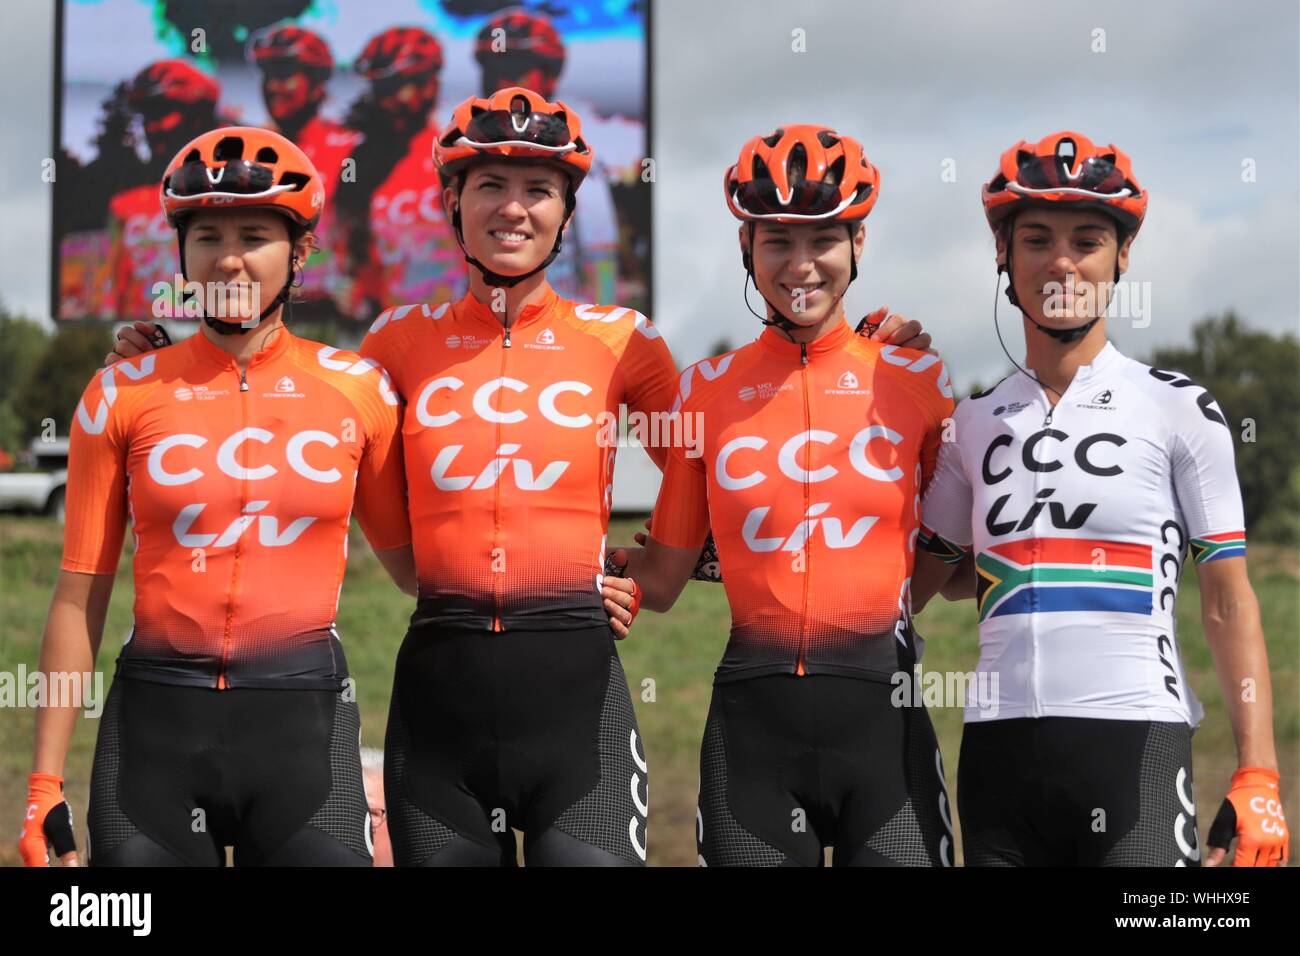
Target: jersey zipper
(1036,704)
(227,636)
(496,505)
(800,670)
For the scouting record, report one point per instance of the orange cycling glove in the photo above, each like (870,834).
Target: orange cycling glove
(48,821)
(1252,813)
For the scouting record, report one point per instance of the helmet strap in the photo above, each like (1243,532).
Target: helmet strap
(777,319)
(998,329)
(498,280)
(222,327)
(1064,336)
(853,260)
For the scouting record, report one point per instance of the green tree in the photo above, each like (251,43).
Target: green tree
(53,385)
(719,347)
(21,344)
(1255,377)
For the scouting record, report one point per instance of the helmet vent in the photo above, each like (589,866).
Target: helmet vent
(1066,151)
(796,170)
(232,147)
(774,138)
(835,175)
(267,155)
(827,138)
(298,180)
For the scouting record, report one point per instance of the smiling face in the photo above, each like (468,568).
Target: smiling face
(803,268)
(1062,263)
(245,250)
(510,213)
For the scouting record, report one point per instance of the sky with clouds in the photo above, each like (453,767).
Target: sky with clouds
(1189,88)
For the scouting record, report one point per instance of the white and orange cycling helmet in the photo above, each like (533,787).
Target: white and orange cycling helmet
(240,167)
(798,174)
(1064,170)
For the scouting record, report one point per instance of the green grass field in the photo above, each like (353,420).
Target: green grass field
(669,663)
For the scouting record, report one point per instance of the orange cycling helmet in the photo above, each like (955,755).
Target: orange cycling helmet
(523,34)
(1066,167)
(174,81)
(513,124)
(242,167)
(802,173)
(400,52)
(292,45)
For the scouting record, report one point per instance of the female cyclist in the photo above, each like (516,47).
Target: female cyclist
(509,706)
(1080,484)
(238,455)
(815,444)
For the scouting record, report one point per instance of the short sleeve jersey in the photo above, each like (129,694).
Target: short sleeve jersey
(238,490)
(1080,517)
(510,437)
(808,463)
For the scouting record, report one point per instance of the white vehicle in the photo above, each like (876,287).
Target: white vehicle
(40,486)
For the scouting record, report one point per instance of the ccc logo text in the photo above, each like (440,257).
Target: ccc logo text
(1045,452)
(787,458)
(485,407)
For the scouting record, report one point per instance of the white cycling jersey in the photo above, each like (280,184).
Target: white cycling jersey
(1080,517)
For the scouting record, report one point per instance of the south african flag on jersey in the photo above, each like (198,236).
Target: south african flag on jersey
(1228,544)
(1039,575)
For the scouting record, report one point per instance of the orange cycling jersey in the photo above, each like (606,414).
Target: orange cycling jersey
(327,144)
(808,463)
(413,253)
(239,489)
(509,438)
(142,252)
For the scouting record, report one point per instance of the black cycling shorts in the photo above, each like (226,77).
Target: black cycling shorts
(791,765)
(180,773)
(1077,791)
(527,730)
